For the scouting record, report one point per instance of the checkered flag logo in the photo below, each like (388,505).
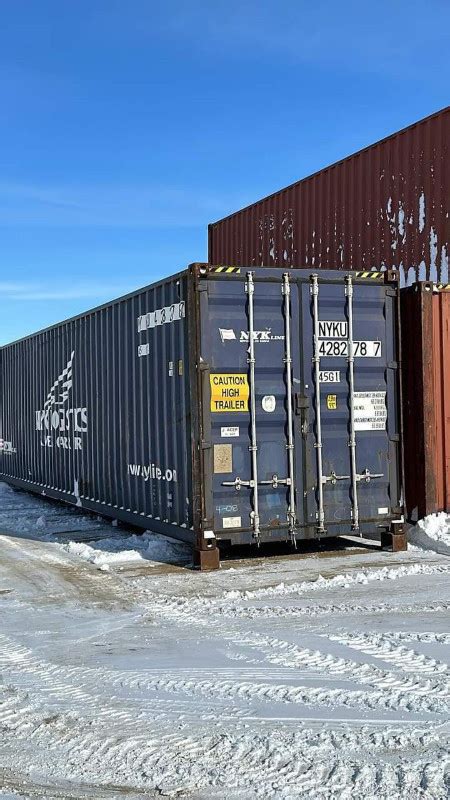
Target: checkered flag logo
(59,392)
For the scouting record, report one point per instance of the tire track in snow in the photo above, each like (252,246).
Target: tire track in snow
(412,696)
(75,687)
(335,609)
(406,693)
(425,637)
(341,581)
(379,646)
(191,608)
(307,762)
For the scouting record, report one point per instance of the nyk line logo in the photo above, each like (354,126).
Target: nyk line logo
(59,420)
(228,335)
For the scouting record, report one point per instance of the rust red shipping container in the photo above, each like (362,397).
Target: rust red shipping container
(385,207)
(426,398)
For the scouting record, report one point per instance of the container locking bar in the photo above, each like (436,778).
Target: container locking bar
(333,478)
(366,476)
(314,288)
(275,482)
(291,514)
(351,385)
(250,289)
(238,483)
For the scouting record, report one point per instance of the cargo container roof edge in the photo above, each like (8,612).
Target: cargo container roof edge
(332,165)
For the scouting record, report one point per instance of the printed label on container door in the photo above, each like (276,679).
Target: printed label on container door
(232,522)
(329,376)
(335,348)
(229,392)
(333,329)
(370,411)
(223,458)
(229,431)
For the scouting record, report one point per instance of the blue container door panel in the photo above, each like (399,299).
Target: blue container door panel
(375,424)
(226,348)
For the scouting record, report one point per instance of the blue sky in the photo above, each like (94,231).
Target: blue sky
(127,126)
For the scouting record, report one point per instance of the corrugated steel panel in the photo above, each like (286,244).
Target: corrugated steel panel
(94,413)
(179,408)
(426,393)
(386,207)
(225,350)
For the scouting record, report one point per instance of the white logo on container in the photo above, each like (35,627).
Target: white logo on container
(57,418)
(228,335)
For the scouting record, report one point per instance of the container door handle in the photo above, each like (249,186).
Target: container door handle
(250,289)
(351,384)
(318,444)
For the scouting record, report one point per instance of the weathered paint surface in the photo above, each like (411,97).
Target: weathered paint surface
(426,398)
(386,207)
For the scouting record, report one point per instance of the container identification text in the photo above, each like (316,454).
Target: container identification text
(335,348)
(329,376)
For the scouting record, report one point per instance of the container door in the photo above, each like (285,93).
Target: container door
(349,360)
(250,347)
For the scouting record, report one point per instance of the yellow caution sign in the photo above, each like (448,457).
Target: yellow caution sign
(229,391)
(331,402)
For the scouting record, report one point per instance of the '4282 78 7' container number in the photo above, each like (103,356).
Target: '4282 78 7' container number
(339,347)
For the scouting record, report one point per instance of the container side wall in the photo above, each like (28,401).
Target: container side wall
(384,207)
(96,411)
(423,400)
(441,376)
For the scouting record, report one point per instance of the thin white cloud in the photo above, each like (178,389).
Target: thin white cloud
(112,205)
(29,291)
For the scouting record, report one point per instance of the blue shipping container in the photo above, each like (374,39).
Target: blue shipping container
(221,405)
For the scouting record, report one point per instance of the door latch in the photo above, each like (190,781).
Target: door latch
(333,478)
(367,475)
(276,481)
(238,483)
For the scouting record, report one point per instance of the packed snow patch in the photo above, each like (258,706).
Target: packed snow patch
(345,581)
(125,549)
(432,533)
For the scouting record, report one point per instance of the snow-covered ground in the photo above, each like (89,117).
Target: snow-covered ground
(126,675)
